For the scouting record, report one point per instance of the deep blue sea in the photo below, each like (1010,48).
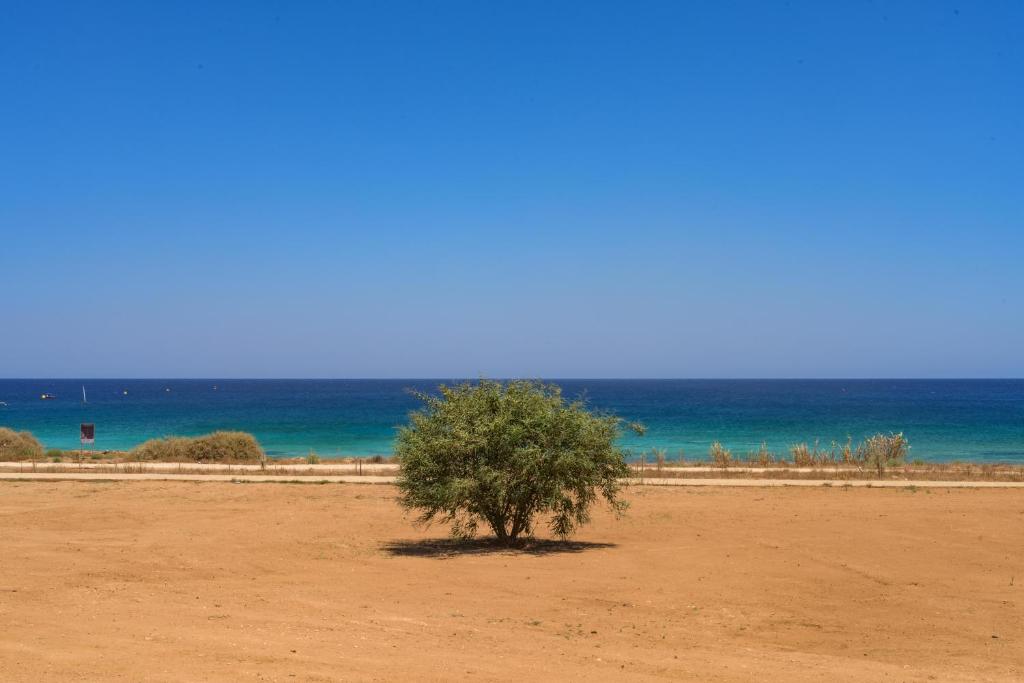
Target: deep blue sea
(943,419)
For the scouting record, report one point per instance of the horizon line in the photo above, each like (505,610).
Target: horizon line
(522,377)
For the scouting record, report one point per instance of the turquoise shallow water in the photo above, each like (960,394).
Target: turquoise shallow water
(944,419)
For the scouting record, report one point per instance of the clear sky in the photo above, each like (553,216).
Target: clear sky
(544,189)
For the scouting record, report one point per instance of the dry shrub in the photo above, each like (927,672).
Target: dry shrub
(846,453)
(227,447)
(720,455)
(171,449)
(19,445)
(808,456)
(881,451)
(659,457)
(762,457)
(801,455)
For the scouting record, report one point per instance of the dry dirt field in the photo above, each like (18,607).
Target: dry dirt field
(182,581)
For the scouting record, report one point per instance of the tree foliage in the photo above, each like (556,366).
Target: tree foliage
(502,454)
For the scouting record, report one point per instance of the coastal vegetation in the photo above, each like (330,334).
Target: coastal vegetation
(720,455)
(504,454)
(219,447)
(877,452)
(875,455)
(762,457)
(880,457)
(881,451)
(16,446)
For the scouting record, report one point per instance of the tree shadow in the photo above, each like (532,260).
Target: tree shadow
(447,547)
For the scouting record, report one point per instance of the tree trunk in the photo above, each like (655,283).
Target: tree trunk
(497,524)
(520,521)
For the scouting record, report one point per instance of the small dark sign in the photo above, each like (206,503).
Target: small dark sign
(88,433)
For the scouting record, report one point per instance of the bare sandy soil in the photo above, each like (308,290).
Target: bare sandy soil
(289,582)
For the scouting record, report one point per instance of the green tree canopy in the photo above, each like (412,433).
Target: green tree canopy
(504,454)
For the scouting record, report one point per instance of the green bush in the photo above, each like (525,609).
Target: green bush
(504,454)
(226,447)
(19,445)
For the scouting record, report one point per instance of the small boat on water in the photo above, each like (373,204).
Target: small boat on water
(47,397)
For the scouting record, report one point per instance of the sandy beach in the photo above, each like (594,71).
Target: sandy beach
(170,581)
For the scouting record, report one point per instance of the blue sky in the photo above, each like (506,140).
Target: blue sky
(574,189)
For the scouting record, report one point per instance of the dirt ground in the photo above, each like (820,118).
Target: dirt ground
(183,581)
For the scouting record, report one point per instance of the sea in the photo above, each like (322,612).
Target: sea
(944,420)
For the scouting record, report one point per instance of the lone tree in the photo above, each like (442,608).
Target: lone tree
(504,454)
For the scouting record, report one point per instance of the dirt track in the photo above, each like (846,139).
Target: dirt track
(252,478)
(219,581)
